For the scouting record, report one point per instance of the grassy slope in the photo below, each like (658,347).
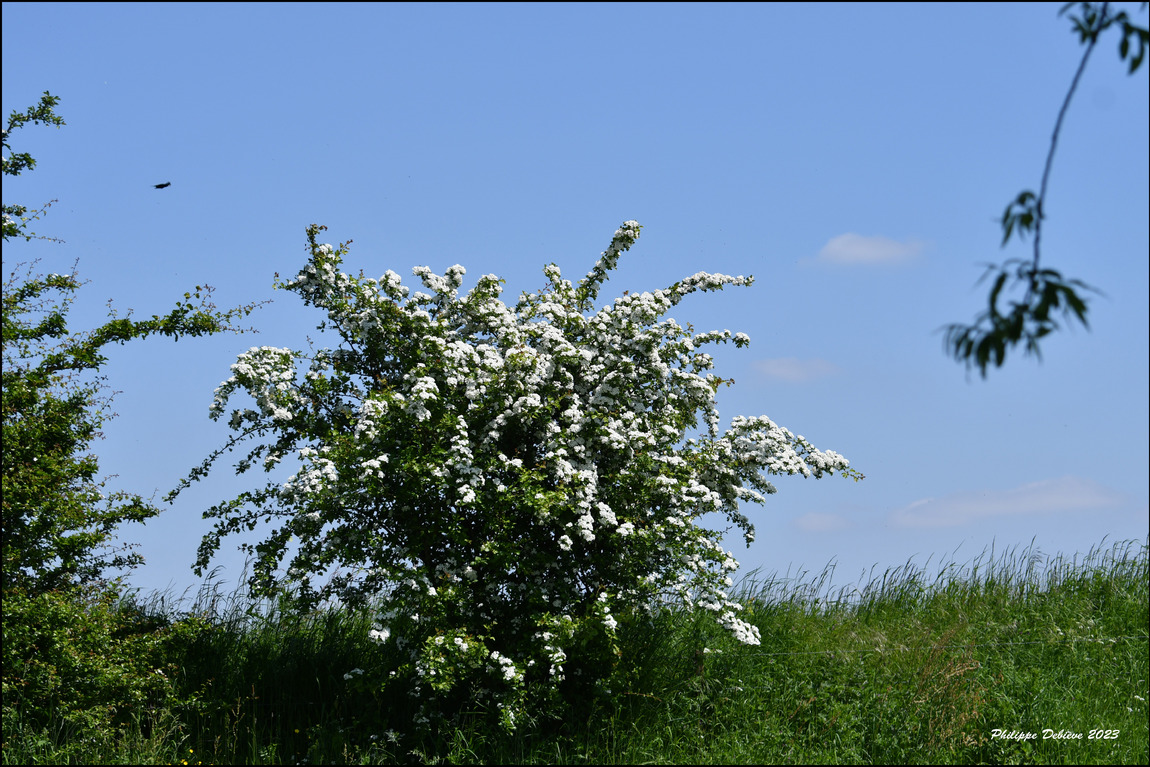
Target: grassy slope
(912,669)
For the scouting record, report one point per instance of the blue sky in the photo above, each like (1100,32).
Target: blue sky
(854,159)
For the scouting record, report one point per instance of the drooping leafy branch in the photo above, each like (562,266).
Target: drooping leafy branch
(1046,292)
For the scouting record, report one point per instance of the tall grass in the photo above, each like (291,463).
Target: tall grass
(910,667)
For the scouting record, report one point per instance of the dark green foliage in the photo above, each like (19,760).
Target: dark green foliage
(57,520)
(1096,18)
(1027,320)
(80,668)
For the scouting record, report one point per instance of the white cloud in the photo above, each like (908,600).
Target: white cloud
(1073,494)
(856,249)
(794,370)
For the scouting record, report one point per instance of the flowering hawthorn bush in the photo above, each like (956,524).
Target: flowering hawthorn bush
(506,481)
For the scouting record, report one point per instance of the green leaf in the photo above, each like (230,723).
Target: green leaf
(995,291)
(1077,305)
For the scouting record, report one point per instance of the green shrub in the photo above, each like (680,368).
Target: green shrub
(80,666)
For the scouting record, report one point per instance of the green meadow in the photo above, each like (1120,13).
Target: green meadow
(1010,658)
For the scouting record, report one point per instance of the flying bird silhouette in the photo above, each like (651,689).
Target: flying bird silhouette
(163,185)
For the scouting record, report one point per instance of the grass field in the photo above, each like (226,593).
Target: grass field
(1010,658)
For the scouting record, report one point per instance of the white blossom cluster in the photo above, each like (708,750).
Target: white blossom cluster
(268,375)
(524,470)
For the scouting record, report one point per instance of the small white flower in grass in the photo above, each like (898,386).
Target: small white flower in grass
(352,673)
(378,634)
